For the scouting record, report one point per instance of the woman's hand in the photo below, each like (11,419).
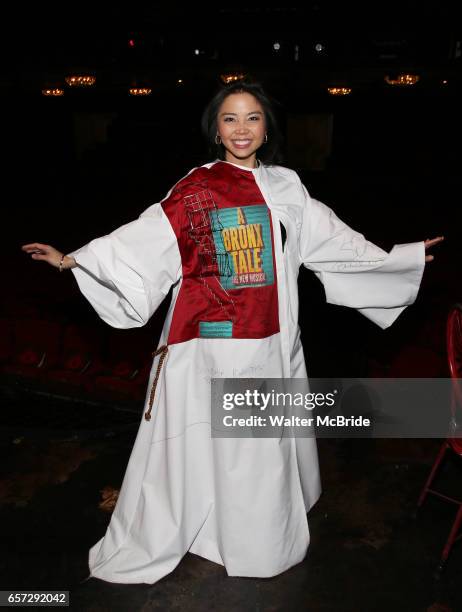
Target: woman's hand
(429,243)
(45,252)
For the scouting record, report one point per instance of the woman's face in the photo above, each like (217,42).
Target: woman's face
(241,126)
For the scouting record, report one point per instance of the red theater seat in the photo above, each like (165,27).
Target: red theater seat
(6,340)
(452,443)
(79,359)
(127,367)
(35,347)
(417,362)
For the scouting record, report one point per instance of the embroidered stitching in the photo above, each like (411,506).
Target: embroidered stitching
(213,263)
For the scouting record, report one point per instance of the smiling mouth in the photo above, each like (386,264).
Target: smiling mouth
(242,144)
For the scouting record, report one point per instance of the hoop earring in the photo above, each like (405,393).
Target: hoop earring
(265,140)
(218,139)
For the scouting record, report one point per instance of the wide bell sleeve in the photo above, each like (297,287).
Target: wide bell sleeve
(126,274)
(355,272)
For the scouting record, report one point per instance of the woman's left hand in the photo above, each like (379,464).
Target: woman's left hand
(429,243)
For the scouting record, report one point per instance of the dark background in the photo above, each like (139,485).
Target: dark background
(78,166)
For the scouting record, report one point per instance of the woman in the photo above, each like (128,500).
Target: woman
(230,238)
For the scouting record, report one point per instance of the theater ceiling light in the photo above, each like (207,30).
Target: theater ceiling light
(53,91)
(231,77)
(403,79)
(80,80)
(140,91)
(339,91)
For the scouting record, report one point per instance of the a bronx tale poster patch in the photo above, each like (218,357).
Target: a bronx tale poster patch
(243,235)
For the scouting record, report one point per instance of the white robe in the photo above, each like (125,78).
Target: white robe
(240,502)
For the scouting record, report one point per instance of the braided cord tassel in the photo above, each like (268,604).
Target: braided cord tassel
(162,351)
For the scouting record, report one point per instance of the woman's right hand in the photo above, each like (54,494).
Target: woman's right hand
(45,252)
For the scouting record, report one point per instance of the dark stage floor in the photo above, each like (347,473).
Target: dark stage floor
(367,552)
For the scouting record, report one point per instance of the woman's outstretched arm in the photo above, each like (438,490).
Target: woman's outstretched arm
(126,274)
(357,273)
(45,252)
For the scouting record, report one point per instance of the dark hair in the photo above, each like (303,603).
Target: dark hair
(269,152)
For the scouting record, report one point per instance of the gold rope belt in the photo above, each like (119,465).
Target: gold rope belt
(162,351)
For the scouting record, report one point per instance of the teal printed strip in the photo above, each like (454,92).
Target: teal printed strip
(215,329)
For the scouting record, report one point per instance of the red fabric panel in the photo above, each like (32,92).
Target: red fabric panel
(253,310)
